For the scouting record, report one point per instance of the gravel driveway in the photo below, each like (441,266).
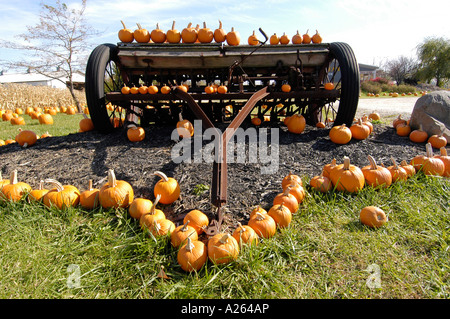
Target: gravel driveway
(387,106)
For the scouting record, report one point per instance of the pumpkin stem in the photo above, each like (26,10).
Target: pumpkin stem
(189,25)
(394,163)
(259,216)
(180,117)
(373,164)
(442,149)
(204,24)
(111,178)
(41,184)
(59,187)
(224,238)
(152,210)
(190,245)
(429,149)
(173,25)
(90,185)
(162,175)
(287,191)
(13,177)
(346,162)
(220,24)
(184,228)
(139,26)
(123,24)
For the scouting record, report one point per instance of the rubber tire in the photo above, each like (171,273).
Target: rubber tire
(94,82)
(350,85)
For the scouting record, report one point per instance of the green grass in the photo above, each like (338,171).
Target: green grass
(324,253)
(63,124)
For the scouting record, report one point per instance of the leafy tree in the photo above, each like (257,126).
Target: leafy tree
(57,42)
(434,60)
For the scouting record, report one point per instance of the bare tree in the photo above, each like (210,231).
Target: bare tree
(401,68)
(57,43)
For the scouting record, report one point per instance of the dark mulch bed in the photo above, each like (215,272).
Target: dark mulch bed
(76,158)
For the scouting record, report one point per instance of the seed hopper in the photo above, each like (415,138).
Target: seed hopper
(253,76)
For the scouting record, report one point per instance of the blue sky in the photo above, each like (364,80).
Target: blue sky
(377,30)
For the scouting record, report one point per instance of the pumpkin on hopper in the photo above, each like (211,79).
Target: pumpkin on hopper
(173,35)
(244,234)
(340,134)
(328,86)
(274,39)
(197,220)
(89,197)
(445,159)
(157,35)
(286,88)
(141,35)
(316,38)
(263,224)
(189,34)
(125,34)
(222,89)
(253,39)
(205,34)
(284,39)
(36,195)
(143,89)
(222,248)
(281,215)
(219,34)
(306,38)
(115,193)
(61,196)
(296,124)
(376,175)
(167,187)
(432,165)
(165,89)
(297,38)
(347,177)
(14,190)
(192,255)
(180,234)
(233,37)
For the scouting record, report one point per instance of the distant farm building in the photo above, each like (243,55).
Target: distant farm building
(31,78)
(367,72)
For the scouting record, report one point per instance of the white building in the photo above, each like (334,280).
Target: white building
(40,79)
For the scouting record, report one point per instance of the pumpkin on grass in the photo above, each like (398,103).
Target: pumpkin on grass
(61,196)
(192,255)
(89,197)
(281,215)
(432,165)
(397,172)
(445,159)
(263,224)
(3,182)
(347,177)
(115,193)
(372,216)
(222,248)
(321,183)
(197,220)
(162,227)
(139,207)
(86,125)
(167,187)
(287,199)
(376,175)
(244,234)
(410,170)
(14,190)
(181,233)
(327,168)
(148,217)
(257,209)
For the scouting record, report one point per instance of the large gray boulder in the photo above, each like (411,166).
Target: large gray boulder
(433,112)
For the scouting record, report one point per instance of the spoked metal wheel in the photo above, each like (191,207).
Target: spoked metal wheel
(103,76)
(343,71)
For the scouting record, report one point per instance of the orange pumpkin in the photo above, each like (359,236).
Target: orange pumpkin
(321,183)
(148,217)
(397,172)
(306,38)
(297,38)
(181,234)
(316,38)
(173,35)
(281,215)
(340,134)
(263,224)
(89,197)
(14,190)
(139,207)
(287,199)
(197,220)
(274,39)
(36,195)
(360,131)
(167,187)
(284,39)
(437,140)
(347,177)
(115,193)
(157,35)
(219,34)
(376,175)
(192,255)
(135,133)
(141,35)
(125,34)
(86,125)
(244,234)
(185,128)
(296,124)
(26,138)
(372,216)
(189,34)
(418,135)
(253,39)
(233,38)
(432,165)
(445,159)
(222,248)
(205,34)
(61,196)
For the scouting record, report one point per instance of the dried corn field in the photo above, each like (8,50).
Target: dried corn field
(22,95)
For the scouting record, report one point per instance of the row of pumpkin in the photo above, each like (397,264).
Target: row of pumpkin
(224,247)
(196,34)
